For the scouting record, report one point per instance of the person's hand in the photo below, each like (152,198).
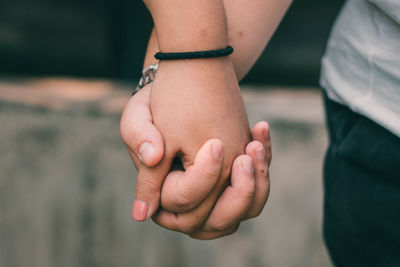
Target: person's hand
(243,199)
(137,129)
(191,102)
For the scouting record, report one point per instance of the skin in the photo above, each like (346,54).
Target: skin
(233,205)
(181,98)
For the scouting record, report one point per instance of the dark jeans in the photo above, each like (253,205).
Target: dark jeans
(362,190)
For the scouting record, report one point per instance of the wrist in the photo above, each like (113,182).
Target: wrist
(209,75)
(198,66)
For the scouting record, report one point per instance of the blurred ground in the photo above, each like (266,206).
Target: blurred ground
(67,183)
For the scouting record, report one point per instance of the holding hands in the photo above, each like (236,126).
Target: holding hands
(200,170)
(200,200)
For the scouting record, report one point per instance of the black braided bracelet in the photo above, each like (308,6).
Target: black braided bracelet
(196,54)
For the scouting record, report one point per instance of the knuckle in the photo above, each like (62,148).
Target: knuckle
(190,228)
(197,236)
(191,223)
(148,185)
(200,235)
(254,213)
(168,226)
(249,195)
(210,174)
(221,225)
(246,194)
(182,203)
(257,212)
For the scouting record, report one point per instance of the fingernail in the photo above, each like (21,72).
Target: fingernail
(139,210)
(217,150)
(146,151)
(260,153)
(247,166)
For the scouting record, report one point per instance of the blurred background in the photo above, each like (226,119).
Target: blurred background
(66,180)
(107,39)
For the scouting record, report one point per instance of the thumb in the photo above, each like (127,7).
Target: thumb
(182,191)
(142,138)
(148,189)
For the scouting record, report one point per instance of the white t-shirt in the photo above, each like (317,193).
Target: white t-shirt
(361,66)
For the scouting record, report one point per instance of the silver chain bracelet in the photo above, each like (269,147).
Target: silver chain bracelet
(148,75)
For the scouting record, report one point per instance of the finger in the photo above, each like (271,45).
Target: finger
(183,191)
(148,188)
(187,222)
(203,235)
(139,134)
(262,134)
(232,205)
(256,150)
(190,222)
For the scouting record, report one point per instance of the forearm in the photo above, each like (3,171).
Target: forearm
(250,24)
(183,25)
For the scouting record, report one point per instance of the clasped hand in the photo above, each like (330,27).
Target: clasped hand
(193,113)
